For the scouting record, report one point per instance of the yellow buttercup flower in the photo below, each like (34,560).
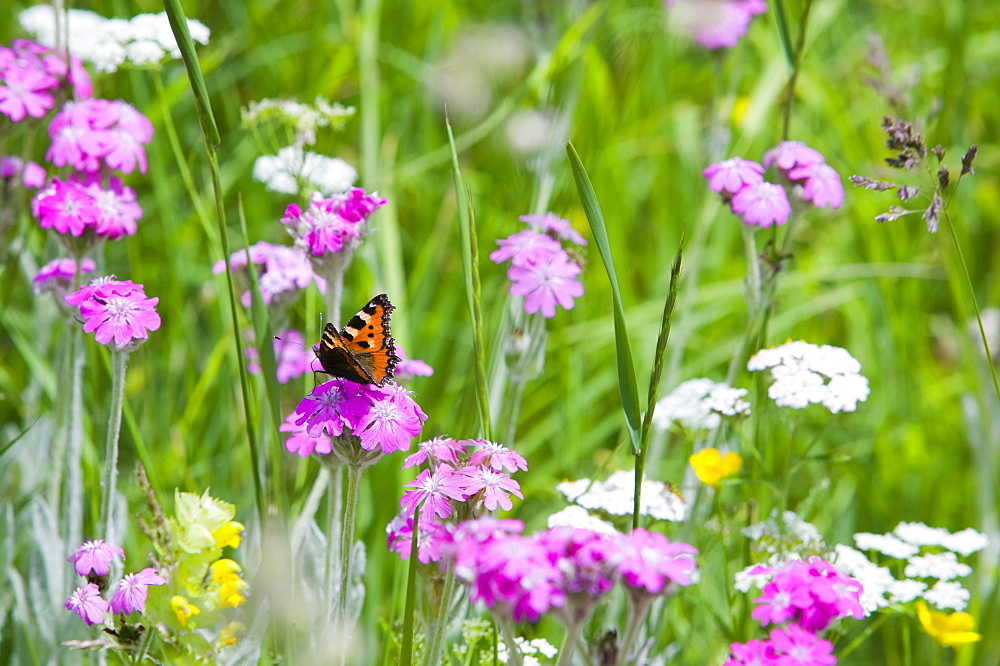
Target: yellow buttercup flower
(230,534)
(711,467)
(183,609)
(949,629)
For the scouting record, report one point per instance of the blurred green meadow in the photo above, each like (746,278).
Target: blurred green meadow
(647,109)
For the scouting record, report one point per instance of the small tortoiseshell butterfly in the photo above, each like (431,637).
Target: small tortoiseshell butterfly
(364,352)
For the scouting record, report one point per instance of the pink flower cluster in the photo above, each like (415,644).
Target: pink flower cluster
(81,204)
(93,561)
(464,477)
(329,225)
(119,311)
(292,356)
(285,269)
(564,569)
(384,417)
(86,132)
(808,595)
(31,174)
(57,275)
(760,203)
(29,75)
(716,24)
(541,270)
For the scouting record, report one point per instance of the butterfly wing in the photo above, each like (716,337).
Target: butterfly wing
(364,351)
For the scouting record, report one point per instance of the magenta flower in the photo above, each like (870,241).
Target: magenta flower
(495,486)
(523,244)
(811,593)
(329,407)
(133,589)
(732,174)
(795,646)
(57,275)
(285,271)
(790,154)
(715,23)
(497,456)
(88,603)
(432,492)
(437,450)
(32,174)
(74,206)
(85,132)
(553,225)
(94,557)
(292,356)
(301,442)
(821,184)
(392,420)
(117,311)
(24,91)
(762,204)
(430,542)
(545,279)
(117,210)
(587,560)
(652,564)
(752,653)
(330,224)
(408,368)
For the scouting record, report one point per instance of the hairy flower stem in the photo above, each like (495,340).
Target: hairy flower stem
(568,648)
(347,536)
(638,608)
(436,639)
(506,625)
(334,517)
(119,361)
(74,485)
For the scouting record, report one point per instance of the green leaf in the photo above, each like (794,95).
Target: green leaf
(627,386)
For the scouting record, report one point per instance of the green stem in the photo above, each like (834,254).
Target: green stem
(638,608)
(975,303)
(119,361)
(506,625)
(432,655)
(863,636)
(74,487)
(406,649)
(334,518)
(347,536)
(796,67)
(568,648)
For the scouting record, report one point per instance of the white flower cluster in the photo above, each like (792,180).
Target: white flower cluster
(699,403)
(143,40)
(882,589)
(304,119)
(614,496)
(532,651)
(577,516)
(294,170)
(805,373)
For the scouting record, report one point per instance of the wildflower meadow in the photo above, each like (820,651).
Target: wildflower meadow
(462,333)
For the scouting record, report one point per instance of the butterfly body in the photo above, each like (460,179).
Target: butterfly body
(363,351)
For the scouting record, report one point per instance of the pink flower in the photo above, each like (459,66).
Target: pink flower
(293,358)
(330,224)
(329,407)
(789,154)
(715,23)
(74,206)
(117,311)
(523,244)
(652,564)
(795,646)
(301,442)
(24,91)
(285,271)
(94,557)
(432,492)
(439,449)
(811,593)
(117,210)
(762,204)
(732,174)
(546,278)
(408,367)
(552,224)
(58,274)
(132,591)
(821,184)
(751,653)
(88,131)
(32,175)
(496,456)
(88,603)
(430,542)
(389,423)
(495,486)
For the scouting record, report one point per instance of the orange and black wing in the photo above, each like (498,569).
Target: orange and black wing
(364,352)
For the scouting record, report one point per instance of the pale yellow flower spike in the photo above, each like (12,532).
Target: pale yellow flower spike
(948,629)
(711,467)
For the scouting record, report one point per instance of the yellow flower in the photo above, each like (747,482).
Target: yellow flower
(183,609)
(232,593)
(951,630)
(711,467)
(230,534)
(224,571)
(229,634)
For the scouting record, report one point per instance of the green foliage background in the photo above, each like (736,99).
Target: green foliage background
(649,110)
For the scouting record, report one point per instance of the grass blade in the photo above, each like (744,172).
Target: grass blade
(627,385)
